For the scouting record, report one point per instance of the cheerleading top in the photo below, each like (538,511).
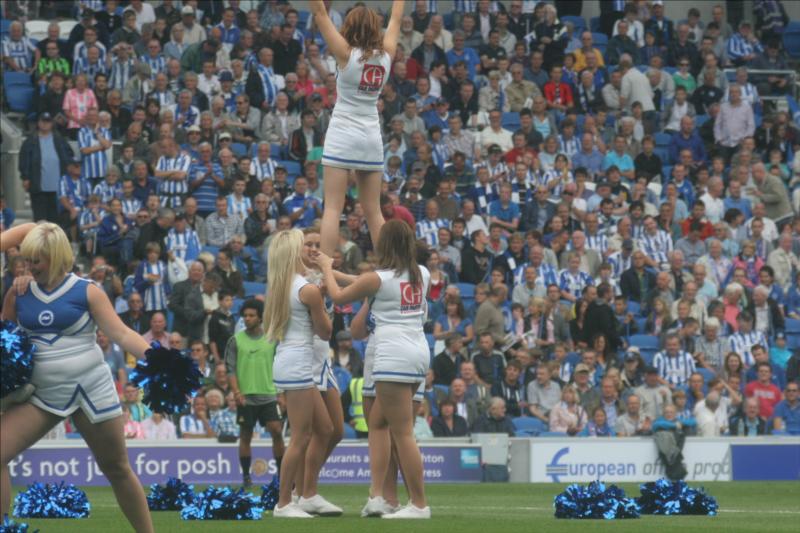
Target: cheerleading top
(69,370)
(299,330)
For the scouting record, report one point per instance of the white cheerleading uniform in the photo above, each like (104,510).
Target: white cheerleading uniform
(69,370)
(321,365)
(294,355)
(368,388)
(401,350)
(353,139)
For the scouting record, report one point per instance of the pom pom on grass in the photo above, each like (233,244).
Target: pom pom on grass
(223,504)
(667,497)
(173,496)
(269,494)
(9,526)
(595,501)
(50,500)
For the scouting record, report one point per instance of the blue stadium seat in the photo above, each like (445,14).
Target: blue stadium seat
(791,42)
(170,319)
(444,389)
(237,306)
(634,307)
(699,120)
(239,149)
(707,374)
(578,22)
(18,91)
(449,21)
(213,250)
(662,139)
(793,341)
(648,354)
(349,432)
(644,341)
(302,17)
(360,347)
(5,25)
(594,24)
(662,152)
(276,151)
(792,325)
(528,426)
(600,41)
(511,120)
(573,358)
(666,172)
(467,290)
(292,168)
(552,434)
(641,323)
(252,288)
(342,376)
(431,342)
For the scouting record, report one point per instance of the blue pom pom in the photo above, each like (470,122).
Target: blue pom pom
(63,500)
(269,494)
(168,378)
(675,498)
(173,496)
(223,504)
(9,526)
(16,358)
(595,501)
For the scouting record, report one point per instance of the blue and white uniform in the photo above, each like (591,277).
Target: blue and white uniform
(353,140)
(69,371)
(401,350)
(294,355)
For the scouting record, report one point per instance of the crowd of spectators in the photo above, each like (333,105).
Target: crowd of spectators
(613,221)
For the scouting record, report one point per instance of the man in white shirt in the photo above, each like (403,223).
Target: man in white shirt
(193,32)
(708,424)
(715,205)
(496,134)
(635,87)
(474,222)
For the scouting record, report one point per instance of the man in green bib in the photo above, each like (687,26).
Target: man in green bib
(248,359)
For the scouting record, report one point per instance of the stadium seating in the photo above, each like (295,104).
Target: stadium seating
(600,42)
(511,121)
(18,91)
(579,22)
(594,24)
(349,432)
(237,306)
(444,389)
(37,29)
(648,354)
(644,341)
(431,343)
(253,288)
(449,21)
(276,151)
(634,307)
(467,290)
(213,250)
(662,139)
(791,41)
(360,347)
(528,426)
(792,325)
(293,168)
(699,120)
(239,149)
(573,358)
(65,27)
(707,374)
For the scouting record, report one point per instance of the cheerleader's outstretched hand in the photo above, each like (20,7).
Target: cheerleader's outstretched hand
(21,284)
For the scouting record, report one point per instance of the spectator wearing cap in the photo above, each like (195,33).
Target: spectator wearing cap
(193,32)
(586,393)
(43,159)
(73,193)
(653,394)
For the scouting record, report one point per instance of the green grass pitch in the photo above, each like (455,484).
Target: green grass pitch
(485,508)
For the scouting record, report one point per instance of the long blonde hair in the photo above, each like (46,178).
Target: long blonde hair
(48,241)
(285,256)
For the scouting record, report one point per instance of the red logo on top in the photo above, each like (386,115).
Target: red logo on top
(410,297)
(372,77)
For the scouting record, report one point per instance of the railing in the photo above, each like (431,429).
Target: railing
(756,76)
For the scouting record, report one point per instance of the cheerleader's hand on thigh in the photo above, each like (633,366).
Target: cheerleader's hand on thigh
(20,395)
(21,284)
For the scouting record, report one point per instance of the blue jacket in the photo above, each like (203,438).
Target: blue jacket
(693,143)
(30,159)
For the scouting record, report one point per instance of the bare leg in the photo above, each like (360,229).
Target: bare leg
(335,183)
(20,427)
(390,482)
(380,448)
(369,194)
(395,400)
(334,422)
(107,441)
(322,430)
(300,419)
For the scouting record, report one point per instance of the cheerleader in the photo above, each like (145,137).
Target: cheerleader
(402,357)
(294,312)
(353,142)
(61,312)
(328,426)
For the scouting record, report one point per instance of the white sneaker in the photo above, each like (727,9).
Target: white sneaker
(295,497)
(388,508)
(410,512)
(290,510)
(375,507)
(319,506)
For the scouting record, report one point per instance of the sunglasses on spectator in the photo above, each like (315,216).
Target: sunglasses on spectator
(684,64)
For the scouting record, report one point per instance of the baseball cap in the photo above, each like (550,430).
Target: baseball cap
(441,101)
(627,244)
(225,135)
(495,149)
(187,10)
(604,183)
(418,165)
(226,75)
(45,116)
(73,161)
(316,97)
(650,370)
(192,129)
(581,367)
(780,335)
